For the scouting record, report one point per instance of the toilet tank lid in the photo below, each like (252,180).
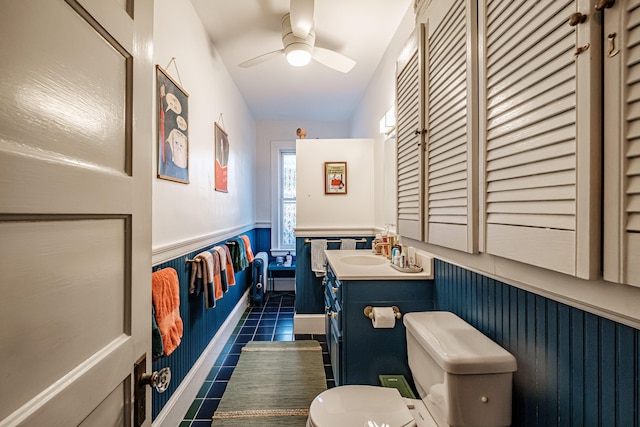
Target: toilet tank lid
(456,346)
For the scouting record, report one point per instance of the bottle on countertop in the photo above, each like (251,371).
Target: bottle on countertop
(288,260)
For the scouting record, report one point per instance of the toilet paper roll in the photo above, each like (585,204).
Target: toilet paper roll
(383,317)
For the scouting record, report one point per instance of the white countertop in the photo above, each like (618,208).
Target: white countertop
(363,264)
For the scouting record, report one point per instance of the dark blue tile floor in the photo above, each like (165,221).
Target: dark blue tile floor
(272,322)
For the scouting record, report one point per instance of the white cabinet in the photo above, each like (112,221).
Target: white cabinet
(408,131)
(540,134)
(510,130)
(437,128)
(621,58)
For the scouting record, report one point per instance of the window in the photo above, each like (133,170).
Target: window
(283,197)
(287,199)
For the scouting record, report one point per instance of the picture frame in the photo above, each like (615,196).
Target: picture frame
(221,159)
(335,178)
(173,128)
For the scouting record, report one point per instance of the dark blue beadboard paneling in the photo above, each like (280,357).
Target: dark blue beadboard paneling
(574,368)
(309,292)
(200,324)
(263,240)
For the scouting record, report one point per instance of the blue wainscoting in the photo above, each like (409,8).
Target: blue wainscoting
(262,241)
(574,368)
(309,291)
(200,324)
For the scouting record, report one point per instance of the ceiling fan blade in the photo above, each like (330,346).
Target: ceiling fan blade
(301,12)
(260,59)
(333,59)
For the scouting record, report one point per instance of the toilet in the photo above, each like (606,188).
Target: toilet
(463,378)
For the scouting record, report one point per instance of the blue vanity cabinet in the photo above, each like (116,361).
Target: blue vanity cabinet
(333,324)
(359,352)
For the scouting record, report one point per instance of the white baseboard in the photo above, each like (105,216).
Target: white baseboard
(174,410)
(308,324)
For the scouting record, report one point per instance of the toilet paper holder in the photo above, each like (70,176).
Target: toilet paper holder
(368,312)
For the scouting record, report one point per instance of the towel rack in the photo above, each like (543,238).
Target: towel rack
(361,240)
(230,243)
(191,260)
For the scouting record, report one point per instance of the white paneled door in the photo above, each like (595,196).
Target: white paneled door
(75,190)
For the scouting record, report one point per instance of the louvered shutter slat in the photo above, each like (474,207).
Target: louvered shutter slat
(559,192)
(540,182)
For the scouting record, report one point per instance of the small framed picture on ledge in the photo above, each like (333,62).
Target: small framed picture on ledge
(335,178)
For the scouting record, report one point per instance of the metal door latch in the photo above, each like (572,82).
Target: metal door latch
(581,49)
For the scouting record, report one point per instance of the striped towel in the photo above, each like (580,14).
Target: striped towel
(202,271)
(238,254)
(231,277)
(197,271)
(222,255)
(217,279)
(247,248)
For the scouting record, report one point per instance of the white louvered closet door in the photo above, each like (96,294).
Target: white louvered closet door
(622,143)
(408,139)
(540,125)
(450,117)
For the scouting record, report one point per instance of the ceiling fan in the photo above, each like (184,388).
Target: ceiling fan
(298,40)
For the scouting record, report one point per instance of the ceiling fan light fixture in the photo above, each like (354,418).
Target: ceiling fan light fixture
(298,54)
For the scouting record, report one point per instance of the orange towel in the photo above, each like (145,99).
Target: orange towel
(247,247)
(165,294)
(231,278)
(223,267)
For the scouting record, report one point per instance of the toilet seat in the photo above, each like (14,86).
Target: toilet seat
(359,405)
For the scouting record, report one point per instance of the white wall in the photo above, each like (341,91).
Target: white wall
(184,212)
(316,210)
(268,132)
(379,97)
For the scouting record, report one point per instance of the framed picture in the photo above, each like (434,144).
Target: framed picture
(173,129)
(222,159)
(335,178)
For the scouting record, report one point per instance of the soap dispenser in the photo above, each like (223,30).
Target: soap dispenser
(288,260)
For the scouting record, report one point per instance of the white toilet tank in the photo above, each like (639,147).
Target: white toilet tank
(463,377)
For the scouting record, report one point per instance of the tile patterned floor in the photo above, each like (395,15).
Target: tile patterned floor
(273,322)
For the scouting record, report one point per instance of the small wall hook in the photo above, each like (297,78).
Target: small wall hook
(612,45)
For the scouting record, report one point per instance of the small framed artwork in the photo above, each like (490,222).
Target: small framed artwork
(335,178)
(222,159)
(173,129)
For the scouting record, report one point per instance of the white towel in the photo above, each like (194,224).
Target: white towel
(318,258)
(347,244)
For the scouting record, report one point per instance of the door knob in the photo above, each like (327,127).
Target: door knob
(577,18)
(604,4)
(159,379)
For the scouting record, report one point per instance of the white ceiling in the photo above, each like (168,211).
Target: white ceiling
(276,91)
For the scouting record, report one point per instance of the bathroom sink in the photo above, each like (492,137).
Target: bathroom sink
(363,260)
